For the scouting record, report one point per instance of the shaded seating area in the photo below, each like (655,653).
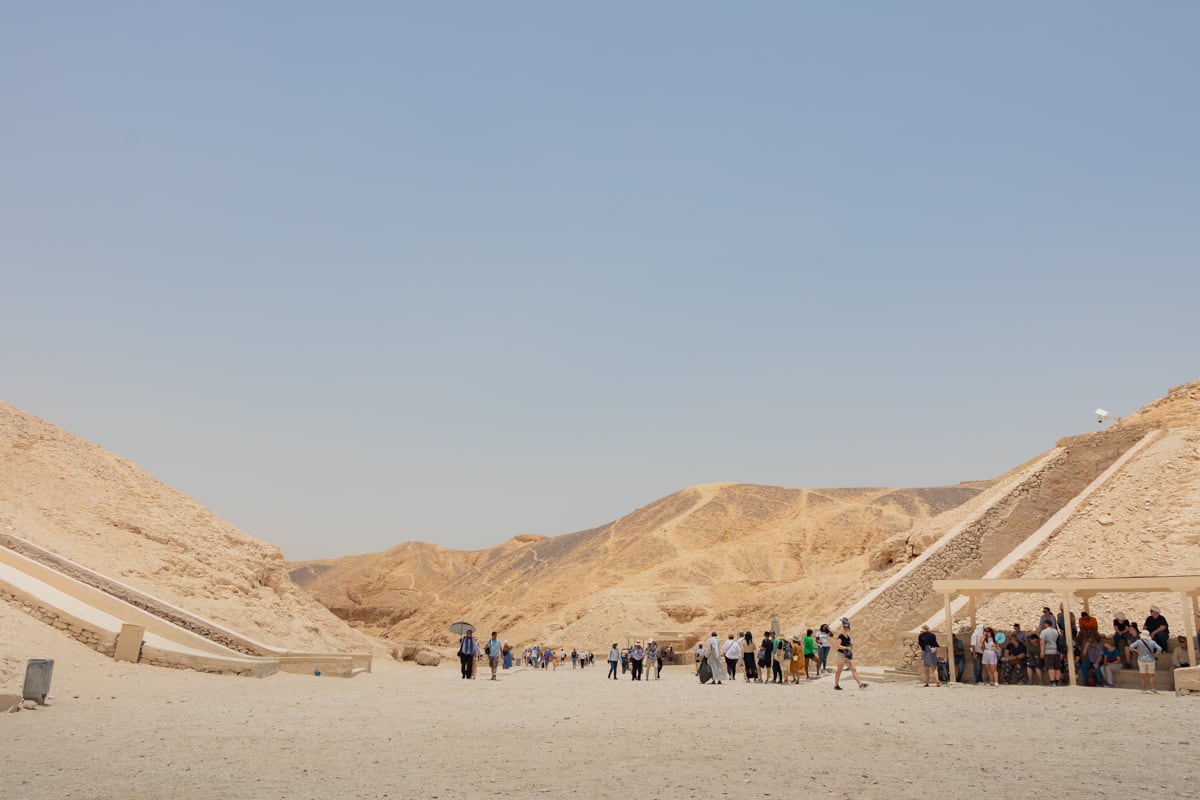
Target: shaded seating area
(1075,593)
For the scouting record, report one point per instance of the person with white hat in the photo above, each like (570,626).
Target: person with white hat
(1145,649)
(653,659)
(1156,626)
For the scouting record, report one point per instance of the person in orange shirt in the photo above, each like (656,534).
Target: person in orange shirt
(1089,628)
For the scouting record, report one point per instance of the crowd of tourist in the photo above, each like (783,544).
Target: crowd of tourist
(1042,656)
(776,658)
(541,657)
(1014,656)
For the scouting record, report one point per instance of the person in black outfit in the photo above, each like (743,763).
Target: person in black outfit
(748,658)
(776,663)
(468,648)
(764,656)
(845,654)
(928,643)
(1156,624)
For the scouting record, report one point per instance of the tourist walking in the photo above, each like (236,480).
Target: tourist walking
(494,646)
(712,653)
(824,639)
(468,648)
(614,658)
(636,657)
(653,659)
(797,664)
(845,653)
(810,655)
(748,657)
(766,650)
(732,651)
(777,653)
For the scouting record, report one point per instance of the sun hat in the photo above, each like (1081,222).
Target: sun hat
(1156,609)
(1146,635)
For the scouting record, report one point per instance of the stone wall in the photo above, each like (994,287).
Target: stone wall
(137,599)
(99,640)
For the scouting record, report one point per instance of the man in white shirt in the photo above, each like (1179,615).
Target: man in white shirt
(732,650)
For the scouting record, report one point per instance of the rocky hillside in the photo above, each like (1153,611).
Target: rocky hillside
(83,502)
(1146,521)
(727,556)
(733,555)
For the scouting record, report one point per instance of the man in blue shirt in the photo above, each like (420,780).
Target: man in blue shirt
(493,647)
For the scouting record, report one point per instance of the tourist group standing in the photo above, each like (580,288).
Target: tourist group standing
(1044,657)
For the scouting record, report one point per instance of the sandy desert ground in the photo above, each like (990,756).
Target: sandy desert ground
(116,730)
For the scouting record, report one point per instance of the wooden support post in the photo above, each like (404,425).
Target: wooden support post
(1189,627)
(950,643)
(1068,658)
(967,651)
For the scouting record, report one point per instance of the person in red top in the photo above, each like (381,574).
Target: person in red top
(1089,628)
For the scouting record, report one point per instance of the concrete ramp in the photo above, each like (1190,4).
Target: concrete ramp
(94,609)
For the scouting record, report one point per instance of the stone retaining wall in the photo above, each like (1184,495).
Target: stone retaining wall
(132,596)
(99,640)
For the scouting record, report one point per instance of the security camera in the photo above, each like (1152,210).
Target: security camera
(1101,415)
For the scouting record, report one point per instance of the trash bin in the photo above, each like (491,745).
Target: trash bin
(37,679)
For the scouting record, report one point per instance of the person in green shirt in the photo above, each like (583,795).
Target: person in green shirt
(810,655)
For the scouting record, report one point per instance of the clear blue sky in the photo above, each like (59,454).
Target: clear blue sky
(363,273)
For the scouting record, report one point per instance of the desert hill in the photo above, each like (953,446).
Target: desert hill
(80,501)
(734,553)
(718,555)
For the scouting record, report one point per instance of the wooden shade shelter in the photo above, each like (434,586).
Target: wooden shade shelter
(1186,586)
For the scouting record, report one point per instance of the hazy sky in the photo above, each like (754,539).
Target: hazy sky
(354,274)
